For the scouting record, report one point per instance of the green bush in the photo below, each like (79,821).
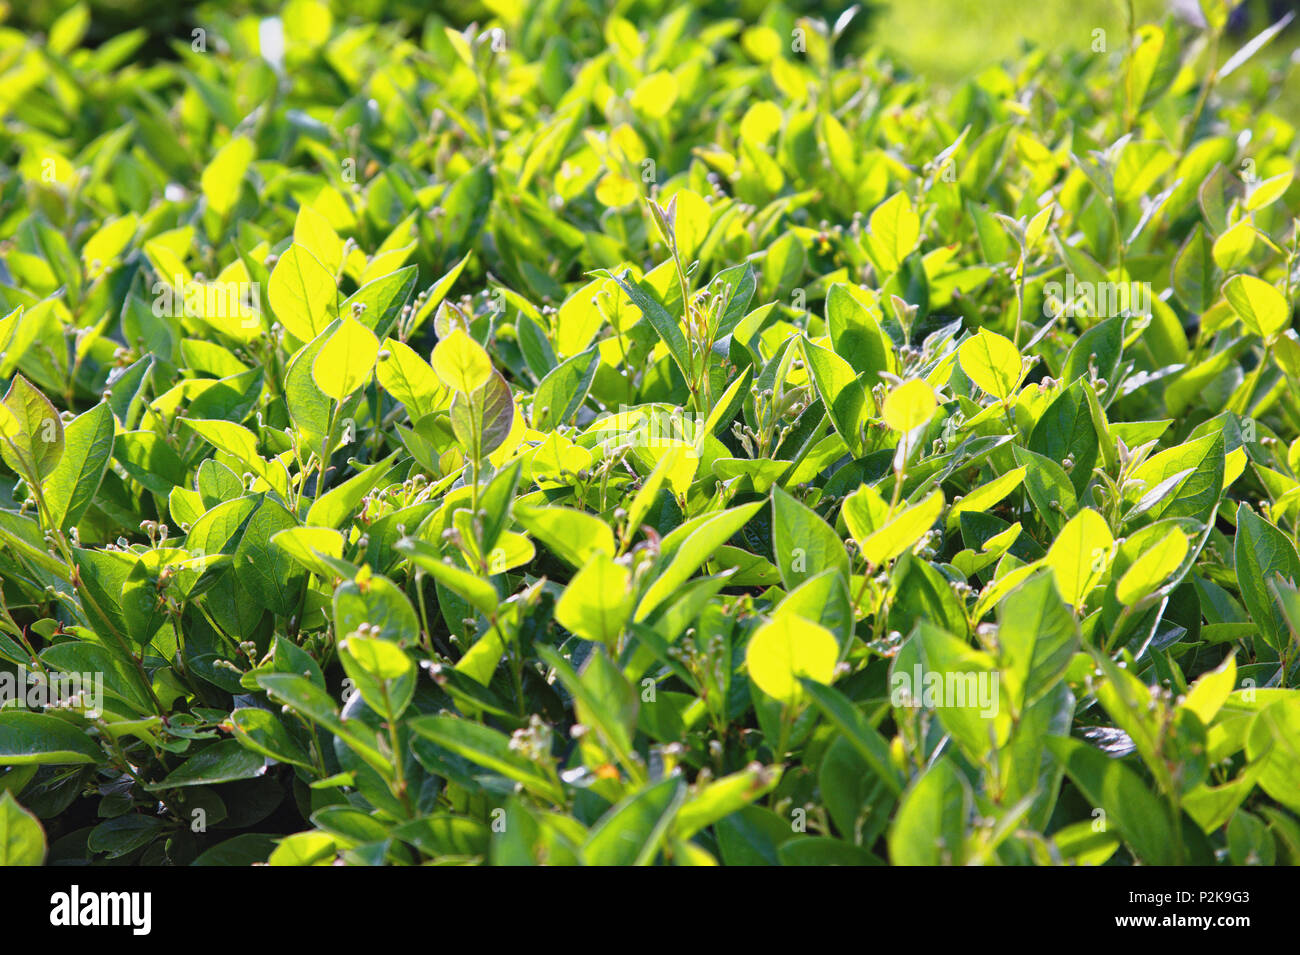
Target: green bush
(679,440)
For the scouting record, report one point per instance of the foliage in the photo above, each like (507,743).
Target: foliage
(691,445)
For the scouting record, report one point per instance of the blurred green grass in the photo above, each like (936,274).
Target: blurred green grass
(948,41)
(951,39)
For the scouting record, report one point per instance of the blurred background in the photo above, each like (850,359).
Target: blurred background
(952,38)
(945,39)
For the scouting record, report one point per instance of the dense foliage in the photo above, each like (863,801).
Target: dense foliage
(662,441)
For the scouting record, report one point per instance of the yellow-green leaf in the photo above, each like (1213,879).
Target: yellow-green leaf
(1269,191)
(345,360)
(1233,247)
(655,95)
(314,233)
(409,379)
(31,432)
(1208,694)
(1080,555)
(306,544)
(303,294)
(222,179)
(991,361)
(910,405)
(22,840)
(598,600)
(1259,305)
(895,228)
(984,497)
(461,363)
(1150,570)
(902,532)
(615,190)
(787,648)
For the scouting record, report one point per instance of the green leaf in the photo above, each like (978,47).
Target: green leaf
(1268,191)
(909,406)
(668,328)
(633,831)
(309,407)
(883,544)
(383,673)
(376,603)
(572,535)
(894,228)
(490,749)
(1182,481)
(262,732)
(562,392)
(313,232)
(825,851)
(304,849)
(1037,638)
(845,399)
(603,701)
(338,504)
(985,496)
(473,588)
(722,797)
(242,850)
(41,739)
(124,690)
(1049,488)
(1263,554)
(598,601)
(271,578)
(1151,569)
(930,826)
(855,332)
(345,361)
(1141,818)
(482,420)
(225,173)
(71,485)
(970,705)
(870,745)
(1100,347)
(22,840)
(217,528)
(303,696)
(303,544)
(1259,305)
(223,762)
(992,362)
(461,363)
(302,293)
(805,545)
(700,545)
(1080,555)
(532,837)
(31,431)
(787,648)
(1271,744)
(1232,249)
(1068,429)
(1195,277)
(409,379)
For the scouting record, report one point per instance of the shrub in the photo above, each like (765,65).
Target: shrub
(690,443)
